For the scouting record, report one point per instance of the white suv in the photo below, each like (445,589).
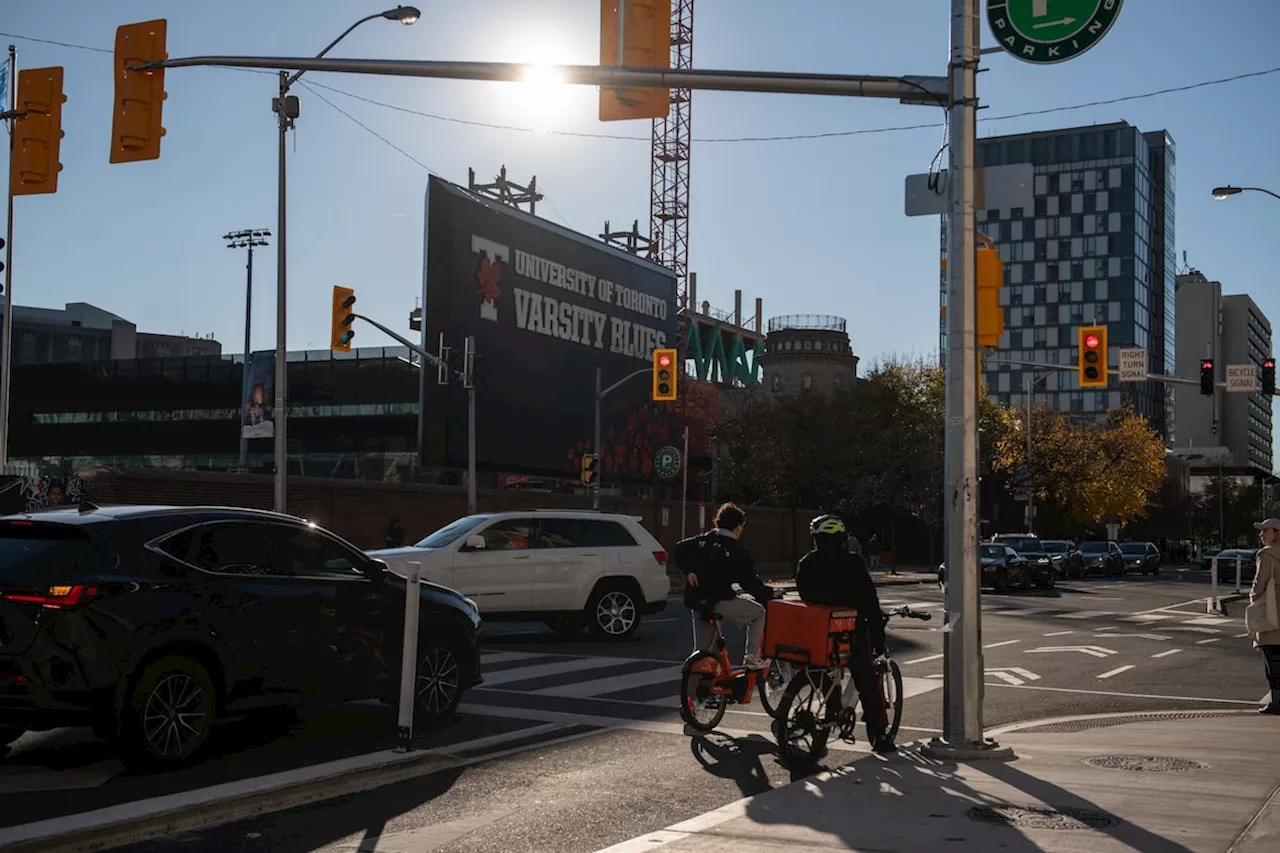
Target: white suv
(567,568)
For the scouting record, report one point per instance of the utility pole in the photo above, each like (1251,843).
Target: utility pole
(469,382)
(247,239)
(6,368)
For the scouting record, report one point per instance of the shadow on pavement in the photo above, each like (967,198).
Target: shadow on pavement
(911,802)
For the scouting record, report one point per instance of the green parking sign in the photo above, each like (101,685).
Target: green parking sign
(1048,31)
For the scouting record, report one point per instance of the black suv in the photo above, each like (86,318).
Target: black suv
(151,623)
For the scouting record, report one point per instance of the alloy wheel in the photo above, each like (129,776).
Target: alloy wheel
(616,613)
(439,678)
(174,716)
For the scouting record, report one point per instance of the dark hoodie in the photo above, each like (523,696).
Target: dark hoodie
(829,574)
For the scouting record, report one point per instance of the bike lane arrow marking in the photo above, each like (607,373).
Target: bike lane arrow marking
(1095,651)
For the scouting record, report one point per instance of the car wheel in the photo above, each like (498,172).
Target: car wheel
(169,713)
(439,683)
(613,612)
(8,735)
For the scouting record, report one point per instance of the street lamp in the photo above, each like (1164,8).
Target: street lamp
(287,109)
(246,239)
(1223,192)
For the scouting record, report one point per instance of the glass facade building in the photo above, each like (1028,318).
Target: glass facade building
(1097,248)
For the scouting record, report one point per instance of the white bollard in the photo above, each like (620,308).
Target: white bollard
(1237,573)
(409,661)
(1213,586)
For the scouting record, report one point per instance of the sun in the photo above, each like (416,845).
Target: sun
(543,94)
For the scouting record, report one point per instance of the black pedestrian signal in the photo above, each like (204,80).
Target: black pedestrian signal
(1269,377)
(1206,377)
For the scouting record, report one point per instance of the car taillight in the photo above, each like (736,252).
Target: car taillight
(661,557)
(56,597)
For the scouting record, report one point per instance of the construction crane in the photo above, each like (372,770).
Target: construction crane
(669,171)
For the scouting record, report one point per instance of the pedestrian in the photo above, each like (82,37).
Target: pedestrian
(394,537)
(873,550)
(1262,617)
(855,547)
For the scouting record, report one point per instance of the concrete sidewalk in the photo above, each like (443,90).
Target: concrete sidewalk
(1193,782)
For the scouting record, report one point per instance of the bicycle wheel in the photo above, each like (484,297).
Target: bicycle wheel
(810,700)
(891,689)
(771,683)
(699,707)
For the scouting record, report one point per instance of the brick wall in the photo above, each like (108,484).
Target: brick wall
(359,510)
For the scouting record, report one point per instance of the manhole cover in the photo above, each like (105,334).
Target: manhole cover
(1043,817)
(1146,763)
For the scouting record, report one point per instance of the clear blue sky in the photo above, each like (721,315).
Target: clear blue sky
(810,226)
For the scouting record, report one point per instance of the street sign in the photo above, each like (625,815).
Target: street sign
(666,462)
(1133,365)
(998,187)
(1243,378)
(1048,31)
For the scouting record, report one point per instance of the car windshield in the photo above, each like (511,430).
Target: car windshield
(1024,545)
(993,551)
(450,533)
(1094,547)
(1133,548)
(1056,547)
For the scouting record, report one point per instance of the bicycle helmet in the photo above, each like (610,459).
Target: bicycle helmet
(828,525)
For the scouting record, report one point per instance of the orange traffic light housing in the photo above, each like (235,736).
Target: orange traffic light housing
(139,95)
(990,281)
(341,333)
(37,132)
(1094,372)
(646,43)
(664,375)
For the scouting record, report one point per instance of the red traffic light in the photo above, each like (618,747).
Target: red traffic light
(1091,341)
(664,360)
(1266,362)
(1206,365)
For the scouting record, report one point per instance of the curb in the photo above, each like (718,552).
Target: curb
(1014,728)
(218,805)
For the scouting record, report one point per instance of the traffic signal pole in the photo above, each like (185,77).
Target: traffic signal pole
(6,368)
(597,440)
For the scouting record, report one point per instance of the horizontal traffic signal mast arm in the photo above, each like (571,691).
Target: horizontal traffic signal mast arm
(910,89)
(415,348)
(1071,368)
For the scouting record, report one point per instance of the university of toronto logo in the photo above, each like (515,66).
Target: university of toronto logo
(493,257)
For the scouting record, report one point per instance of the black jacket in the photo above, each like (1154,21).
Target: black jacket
(718,561)
(834,576)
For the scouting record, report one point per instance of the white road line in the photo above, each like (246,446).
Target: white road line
(600,686)
(1117,671)
(1149,617)
(1002,643)
(1165,654)
(525,673)
(1188,628)
(1059,633)
(504,657)
(1253,702)
(921,660)
(1199,601)
(1087,614)
(1240,636)
(1210,640)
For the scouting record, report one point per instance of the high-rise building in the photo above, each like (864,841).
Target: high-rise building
(1097,248)
(1231,330)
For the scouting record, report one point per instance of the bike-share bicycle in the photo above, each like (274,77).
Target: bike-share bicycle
(817,641)
(709,683)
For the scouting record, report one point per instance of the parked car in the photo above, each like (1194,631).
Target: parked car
(568,568)
(149,624)
(1142,557)
(1102,557)
(1227,565)
(1206,559)
(1066,557)
(1001,567)
(1039,564)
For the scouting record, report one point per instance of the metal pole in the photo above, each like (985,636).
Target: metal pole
(6,367)
(469,361)
(595,446)
(409,658)
(1213,585)
(1222,516)
(1031,496)
(245,383)
(279,411)
(684,490)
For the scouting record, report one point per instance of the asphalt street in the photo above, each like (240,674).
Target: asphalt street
(609,759)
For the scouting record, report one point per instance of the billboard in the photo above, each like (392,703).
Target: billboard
(258,418)
(547,306)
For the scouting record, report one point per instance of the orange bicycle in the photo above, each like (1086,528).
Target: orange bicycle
(709,683)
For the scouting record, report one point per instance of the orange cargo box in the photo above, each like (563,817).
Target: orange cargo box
(810,634)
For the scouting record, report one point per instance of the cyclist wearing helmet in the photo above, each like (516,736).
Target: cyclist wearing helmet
(830,575)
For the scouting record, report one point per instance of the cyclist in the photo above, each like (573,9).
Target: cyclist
(830,575)
(713,562)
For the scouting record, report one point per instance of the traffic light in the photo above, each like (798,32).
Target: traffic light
(589,473)
(990,314)
(341,333)
(1269,377)
(646,44)
(1093,357)
(37,132)
(139,96)
(664,375)
(1206,377)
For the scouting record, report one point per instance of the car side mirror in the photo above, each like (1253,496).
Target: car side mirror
(375,570)
(475,543)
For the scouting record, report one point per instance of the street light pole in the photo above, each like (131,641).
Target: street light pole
(287,109)
(1223,192)
(246,240)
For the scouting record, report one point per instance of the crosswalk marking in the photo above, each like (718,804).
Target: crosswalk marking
(560,667)
(490,658)
(617,683)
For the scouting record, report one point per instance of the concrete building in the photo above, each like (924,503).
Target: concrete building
(81,332)
(808,352)
(1097,248)
(1232,429)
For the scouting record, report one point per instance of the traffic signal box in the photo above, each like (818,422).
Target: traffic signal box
(1269,377)
(589,469)
(990,281)
(646,44)
(1206,377)
(664,375)
(139,95)
(341,333)
(37,132)
(1093,357)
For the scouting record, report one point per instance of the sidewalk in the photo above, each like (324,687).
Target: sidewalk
(1195,782)
(783,575)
